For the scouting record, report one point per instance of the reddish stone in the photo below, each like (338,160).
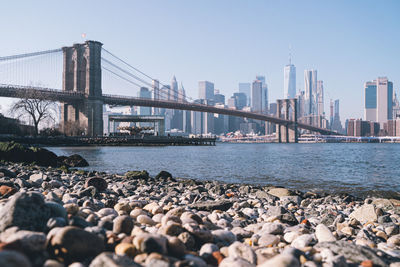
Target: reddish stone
(6,190)
(306,222)
(218,256)
(367,263)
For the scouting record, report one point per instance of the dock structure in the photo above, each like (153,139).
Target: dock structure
(112,141)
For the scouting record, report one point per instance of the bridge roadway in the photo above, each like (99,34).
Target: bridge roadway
(65,96)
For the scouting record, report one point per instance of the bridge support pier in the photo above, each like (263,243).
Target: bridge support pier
(287,109)
(82,73)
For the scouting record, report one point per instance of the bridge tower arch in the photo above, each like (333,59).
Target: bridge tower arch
(287,109)
(82,73)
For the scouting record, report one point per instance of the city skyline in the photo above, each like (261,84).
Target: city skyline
(345,59)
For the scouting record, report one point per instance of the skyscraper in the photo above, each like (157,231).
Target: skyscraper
(310,88)
(257,96)
(241,100)
(336,124)
(144,93)
(181,94)
(206,90)
(174,90)
(289,81)
(156,95)
(264,93)
(378,100)
(246,89)
(320,98)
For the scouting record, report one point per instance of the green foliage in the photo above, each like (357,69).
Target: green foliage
(64,169)
(10,146)
(137,175)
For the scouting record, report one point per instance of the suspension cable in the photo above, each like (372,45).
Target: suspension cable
(30,54)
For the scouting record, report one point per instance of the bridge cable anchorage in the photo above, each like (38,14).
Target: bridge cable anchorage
(30,54)
(141,72)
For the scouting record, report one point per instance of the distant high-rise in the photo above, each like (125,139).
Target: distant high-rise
(181,94)
(241,100)
(336,124)
(246,89)
(264,93)
(320,98)
(206,90)
(289,81)
(257,96)
(219,99)
(378,100)
(144,93)
(173,95)
(156,95)
(310,88)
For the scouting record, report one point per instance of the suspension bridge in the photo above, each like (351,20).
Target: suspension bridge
(85,71)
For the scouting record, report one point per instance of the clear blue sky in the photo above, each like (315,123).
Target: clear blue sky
(226,42)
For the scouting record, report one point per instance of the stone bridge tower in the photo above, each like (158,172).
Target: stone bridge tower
(287,109)
(82,73)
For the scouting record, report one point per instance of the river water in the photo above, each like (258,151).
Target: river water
(358,169)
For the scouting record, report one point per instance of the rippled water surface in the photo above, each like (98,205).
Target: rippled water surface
(360,169)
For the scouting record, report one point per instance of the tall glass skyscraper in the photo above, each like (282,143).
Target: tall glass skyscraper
(264,93)
(370,101)
(206,90)
(310,88)
(379,100)
(246,89)
(320,98)
(256,96)
(289,81)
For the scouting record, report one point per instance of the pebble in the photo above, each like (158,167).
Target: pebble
(123,224)
(124,221)
(323,233)
(74,244)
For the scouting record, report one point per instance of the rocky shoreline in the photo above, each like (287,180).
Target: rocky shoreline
(54,217)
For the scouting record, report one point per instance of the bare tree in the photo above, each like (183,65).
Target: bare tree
(35,109)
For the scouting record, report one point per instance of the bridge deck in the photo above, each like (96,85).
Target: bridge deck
(65,96)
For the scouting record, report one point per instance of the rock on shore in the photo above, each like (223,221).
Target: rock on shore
(49,217)
(15,152)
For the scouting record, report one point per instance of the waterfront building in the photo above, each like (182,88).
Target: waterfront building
(310,90)
(378,100)
(241,100)
(358,127)
(206,90)
(246,89)
(257,96)
(289,81)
